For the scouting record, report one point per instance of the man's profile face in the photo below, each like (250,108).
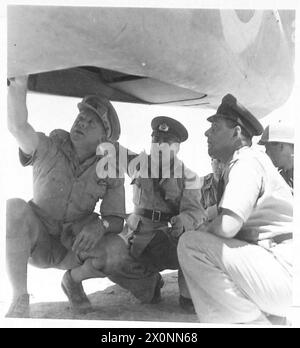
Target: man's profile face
(219,139)
(87,128)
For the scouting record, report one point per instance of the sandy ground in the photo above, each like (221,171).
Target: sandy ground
(110,302)
(115,303)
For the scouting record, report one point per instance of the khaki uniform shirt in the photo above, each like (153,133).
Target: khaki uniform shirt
(177,196)
(209,196)
(208,191)
(66,190)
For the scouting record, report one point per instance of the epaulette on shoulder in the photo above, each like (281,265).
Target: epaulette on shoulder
(59,135)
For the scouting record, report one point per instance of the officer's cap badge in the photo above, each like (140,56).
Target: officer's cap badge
(163,127)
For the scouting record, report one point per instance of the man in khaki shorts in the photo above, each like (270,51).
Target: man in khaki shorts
(167,202)
(58,227)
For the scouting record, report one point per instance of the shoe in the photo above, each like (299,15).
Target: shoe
(275,320)
(261,320)
(19,308)
(157,295)
(79,302)
(186,304)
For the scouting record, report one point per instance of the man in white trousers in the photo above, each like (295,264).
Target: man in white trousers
(238,267)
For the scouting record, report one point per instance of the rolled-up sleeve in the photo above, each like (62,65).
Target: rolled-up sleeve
(43,147)
(243,187)
(113,203)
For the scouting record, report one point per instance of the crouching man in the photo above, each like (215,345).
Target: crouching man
(238,267)
(58,227)
(166,198)
(165,206)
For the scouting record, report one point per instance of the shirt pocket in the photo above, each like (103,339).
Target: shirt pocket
(92,193)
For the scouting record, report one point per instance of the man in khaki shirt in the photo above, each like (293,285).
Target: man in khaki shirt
(58,227)
(173,199)
(167,202)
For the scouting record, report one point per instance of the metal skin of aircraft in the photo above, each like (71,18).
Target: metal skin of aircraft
(188,57)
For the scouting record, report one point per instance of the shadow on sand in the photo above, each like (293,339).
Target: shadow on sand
(115,303)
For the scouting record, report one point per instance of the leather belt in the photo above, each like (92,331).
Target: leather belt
(154,215)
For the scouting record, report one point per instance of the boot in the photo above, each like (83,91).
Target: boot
(19,308)
(157,295)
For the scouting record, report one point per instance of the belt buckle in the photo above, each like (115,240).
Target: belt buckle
(153,215)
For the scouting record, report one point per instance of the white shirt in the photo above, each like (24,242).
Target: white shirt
(257,193)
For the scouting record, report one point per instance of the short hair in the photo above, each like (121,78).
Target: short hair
(232,124)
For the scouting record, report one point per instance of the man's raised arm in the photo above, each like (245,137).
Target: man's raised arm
(17,115)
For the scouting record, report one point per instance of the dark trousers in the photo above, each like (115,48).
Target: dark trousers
(140,274)
(160,254)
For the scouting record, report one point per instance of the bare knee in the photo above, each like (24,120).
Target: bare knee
(17,211)
(16,208)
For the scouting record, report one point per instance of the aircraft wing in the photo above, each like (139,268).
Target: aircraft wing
(189,57)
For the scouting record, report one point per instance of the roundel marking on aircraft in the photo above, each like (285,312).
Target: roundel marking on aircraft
(238,33)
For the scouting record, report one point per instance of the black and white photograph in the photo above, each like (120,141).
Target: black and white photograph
(148,172)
